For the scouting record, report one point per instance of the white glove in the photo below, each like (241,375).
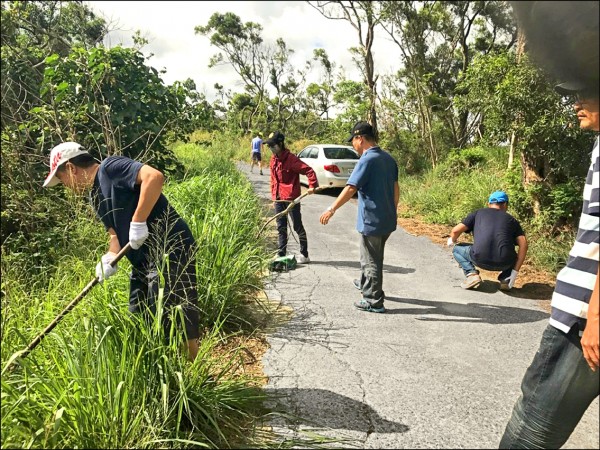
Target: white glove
(138,232)
(450,242)
(513,277)
(103,269)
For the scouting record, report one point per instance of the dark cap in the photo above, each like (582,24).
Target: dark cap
(361,129)
(276,137)
(574,87)
(562,38)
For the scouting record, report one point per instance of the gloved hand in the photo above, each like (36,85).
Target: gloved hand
(138,232)
(450,242)
(513,277)
(103,269)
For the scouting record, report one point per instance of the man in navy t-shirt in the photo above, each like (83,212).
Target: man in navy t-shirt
(127,197)
(495,234)
(375,178)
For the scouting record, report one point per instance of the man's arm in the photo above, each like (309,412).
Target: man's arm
(522,243)
(590,341)
(304,169)
(113,244)
(151,182)
(346,194)
(457,231)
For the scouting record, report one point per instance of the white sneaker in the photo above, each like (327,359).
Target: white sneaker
(301,259)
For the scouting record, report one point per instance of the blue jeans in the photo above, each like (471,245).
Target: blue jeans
(282,228)
(556,390)
(462,254)
(371,268)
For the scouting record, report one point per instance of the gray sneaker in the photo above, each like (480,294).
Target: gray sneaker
(472,282)
(363,305)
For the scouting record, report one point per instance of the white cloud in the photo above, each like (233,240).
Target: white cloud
(169,27)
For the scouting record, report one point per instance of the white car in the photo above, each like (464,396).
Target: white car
(332,163)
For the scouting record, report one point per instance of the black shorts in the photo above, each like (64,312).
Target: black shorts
(256,156)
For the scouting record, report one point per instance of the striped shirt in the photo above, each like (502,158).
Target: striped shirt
(575,282)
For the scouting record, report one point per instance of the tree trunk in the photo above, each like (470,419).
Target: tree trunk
(511,151)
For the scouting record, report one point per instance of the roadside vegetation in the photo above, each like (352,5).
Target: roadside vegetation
(103,378)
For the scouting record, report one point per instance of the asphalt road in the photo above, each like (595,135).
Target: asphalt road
(441,368)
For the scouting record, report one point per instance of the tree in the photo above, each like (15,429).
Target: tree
(517,99)
(241,47)
(437,41)
(364,17)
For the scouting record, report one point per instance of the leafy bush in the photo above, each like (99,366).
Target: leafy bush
(459,160)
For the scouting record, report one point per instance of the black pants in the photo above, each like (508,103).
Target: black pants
(282,224)
(179,290)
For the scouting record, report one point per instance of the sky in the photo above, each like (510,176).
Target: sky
(169,28)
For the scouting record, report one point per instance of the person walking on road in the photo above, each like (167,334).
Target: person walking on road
(563,378)
(256,152)
(375,178)
(127,197)
(495,234)
(285,187)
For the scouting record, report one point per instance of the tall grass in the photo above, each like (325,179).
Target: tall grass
(104,378)
(447,200)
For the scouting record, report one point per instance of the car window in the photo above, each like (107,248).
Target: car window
(303,153)
(313,152)
(340,153)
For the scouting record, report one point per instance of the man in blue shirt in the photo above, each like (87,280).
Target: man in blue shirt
(255,152)
(127,197)
(375,178)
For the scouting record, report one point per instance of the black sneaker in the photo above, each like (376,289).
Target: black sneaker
(366,306)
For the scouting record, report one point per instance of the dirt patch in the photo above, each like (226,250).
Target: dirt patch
(531,283)
(248,348)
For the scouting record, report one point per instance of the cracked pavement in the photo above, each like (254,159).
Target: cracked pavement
(441,368)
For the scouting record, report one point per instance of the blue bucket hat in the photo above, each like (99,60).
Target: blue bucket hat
(498,197)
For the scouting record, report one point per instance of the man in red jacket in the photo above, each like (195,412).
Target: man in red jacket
(285,187)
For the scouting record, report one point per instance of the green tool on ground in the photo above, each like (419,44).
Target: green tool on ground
(283,263)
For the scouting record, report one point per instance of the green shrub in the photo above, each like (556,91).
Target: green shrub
(459,160)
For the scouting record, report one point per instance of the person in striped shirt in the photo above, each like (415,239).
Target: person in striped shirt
(563,378)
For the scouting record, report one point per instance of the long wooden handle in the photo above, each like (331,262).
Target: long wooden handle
(288,209)
(35,342)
